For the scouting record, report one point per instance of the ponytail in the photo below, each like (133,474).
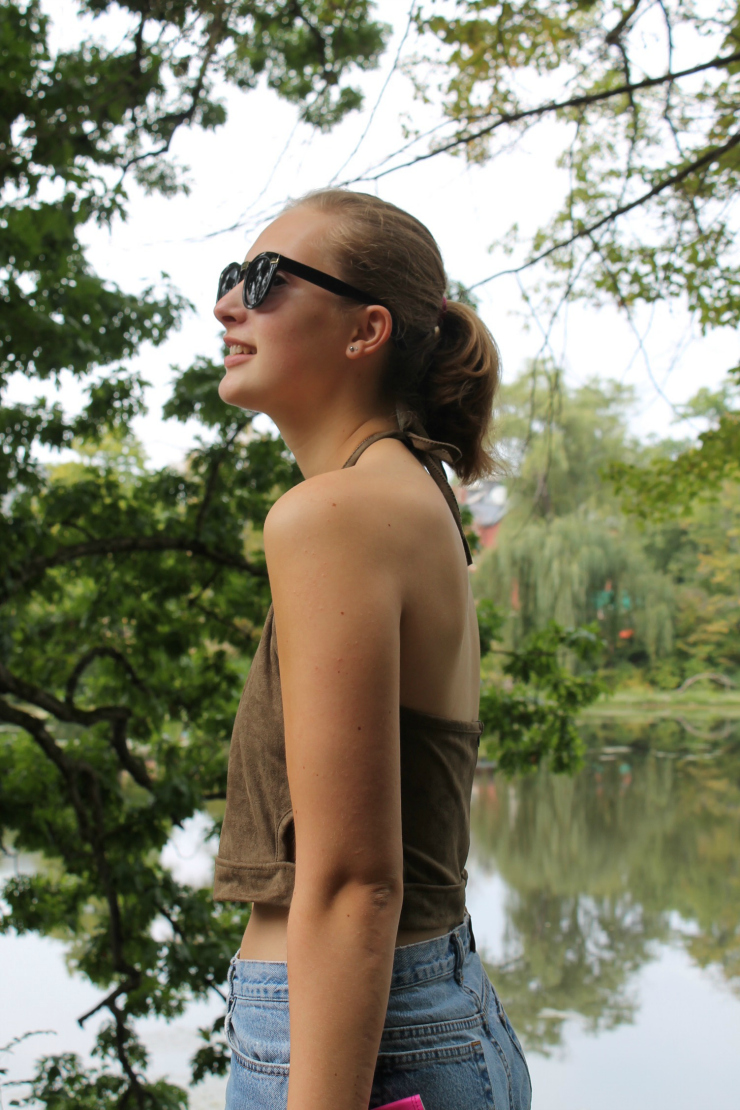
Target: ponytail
(457,390)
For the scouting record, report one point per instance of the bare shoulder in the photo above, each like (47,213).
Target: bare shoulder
(310,504)
(341,515)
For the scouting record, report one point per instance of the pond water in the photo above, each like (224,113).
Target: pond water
(606,909)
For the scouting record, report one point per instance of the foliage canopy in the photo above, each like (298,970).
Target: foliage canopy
(646,98)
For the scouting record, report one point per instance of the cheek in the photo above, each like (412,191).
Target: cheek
(291,354)
(299,339)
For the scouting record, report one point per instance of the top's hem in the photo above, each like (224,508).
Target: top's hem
(435,721)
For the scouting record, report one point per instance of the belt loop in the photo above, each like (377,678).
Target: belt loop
(459,954)
(472,934)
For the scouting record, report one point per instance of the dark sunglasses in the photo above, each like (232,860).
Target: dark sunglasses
(259,274)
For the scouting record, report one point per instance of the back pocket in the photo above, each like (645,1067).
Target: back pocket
(444,1078)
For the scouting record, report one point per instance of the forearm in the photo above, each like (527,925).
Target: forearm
(340,961)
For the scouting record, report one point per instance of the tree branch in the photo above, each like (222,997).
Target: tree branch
(243,634)
(613,37)
(118,716)
(34,695)
(213,475)
(173,120)
(35,727)
(675,179)
(121,545)
(122,988)
(135,767)
(85,661)
(122,1035)
(89,814)
(584,100)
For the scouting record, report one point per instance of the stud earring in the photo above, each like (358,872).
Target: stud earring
(353,349)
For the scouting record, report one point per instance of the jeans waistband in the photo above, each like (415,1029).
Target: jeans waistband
(438,958)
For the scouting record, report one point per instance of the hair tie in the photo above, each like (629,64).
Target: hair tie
(443,309)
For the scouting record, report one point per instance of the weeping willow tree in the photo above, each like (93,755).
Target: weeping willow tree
(564,551)
(577,569)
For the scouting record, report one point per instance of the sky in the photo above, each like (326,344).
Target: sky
(241,173)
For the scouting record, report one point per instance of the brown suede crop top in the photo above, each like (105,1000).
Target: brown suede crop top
(256,857)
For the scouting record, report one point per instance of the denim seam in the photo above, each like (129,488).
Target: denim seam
(227,1017)
(462,953)
(487,1003)
(255,996)
(507,1069)
(412,978)
(425,1055)
(473,994)
(485,1076)
(404,980)
(504,1019)
(246,1061)
(258,1065)
(407,1032)
(269,1005)
(279,992)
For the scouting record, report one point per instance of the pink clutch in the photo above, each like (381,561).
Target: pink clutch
(412,1103)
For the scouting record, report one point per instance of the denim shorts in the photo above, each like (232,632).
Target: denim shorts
(446,1035)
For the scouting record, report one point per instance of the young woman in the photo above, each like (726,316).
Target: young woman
(354,748)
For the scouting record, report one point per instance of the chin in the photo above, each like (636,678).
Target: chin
(233,393)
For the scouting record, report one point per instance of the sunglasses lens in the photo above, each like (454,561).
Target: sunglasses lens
(230,276)
(257,280)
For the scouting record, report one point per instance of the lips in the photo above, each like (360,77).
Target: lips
(237,352)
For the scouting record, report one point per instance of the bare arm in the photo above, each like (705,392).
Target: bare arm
(337,611)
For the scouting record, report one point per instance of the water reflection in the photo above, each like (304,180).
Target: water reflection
(641,847)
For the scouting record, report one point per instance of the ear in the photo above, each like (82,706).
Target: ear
(372,330)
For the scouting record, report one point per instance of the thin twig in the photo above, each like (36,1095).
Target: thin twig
(675,179)
(392,70)
(583,100)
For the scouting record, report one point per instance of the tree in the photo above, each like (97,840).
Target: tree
(564,551)
(529,718)
(690,531)
(701,552)
(558,439)
(131,600)
(676,481)
(646,97)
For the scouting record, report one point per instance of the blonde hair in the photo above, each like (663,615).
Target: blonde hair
(446,367)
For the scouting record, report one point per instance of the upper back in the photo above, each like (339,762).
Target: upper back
(440,647)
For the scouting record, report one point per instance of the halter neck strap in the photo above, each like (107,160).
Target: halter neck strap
(429,452)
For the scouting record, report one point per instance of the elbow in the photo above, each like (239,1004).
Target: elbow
(386,896)
(374,898)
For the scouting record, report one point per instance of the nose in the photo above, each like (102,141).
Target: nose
(230,309)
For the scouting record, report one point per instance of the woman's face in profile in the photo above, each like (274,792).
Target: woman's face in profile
(287,351)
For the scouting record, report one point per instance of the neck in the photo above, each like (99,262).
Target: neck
(328,442)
